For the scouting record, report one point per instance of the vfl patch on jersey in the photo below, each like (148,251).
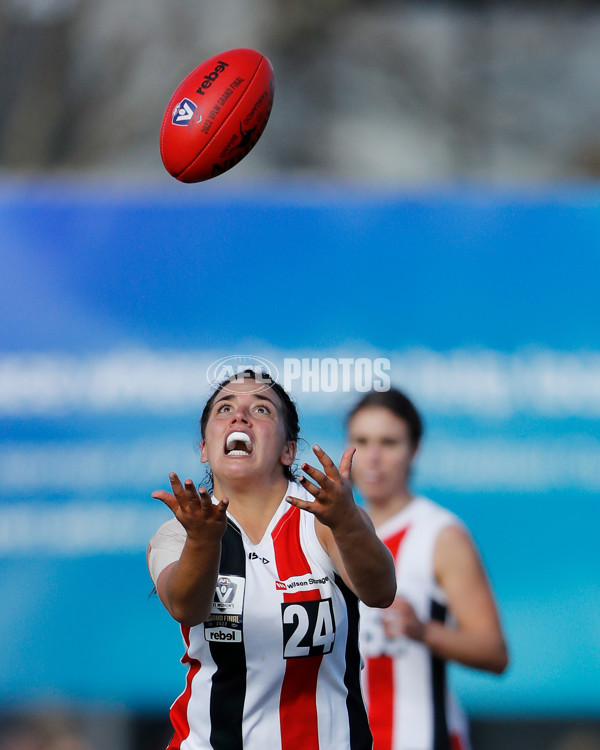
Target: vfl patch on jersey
(182,112)
(224,624)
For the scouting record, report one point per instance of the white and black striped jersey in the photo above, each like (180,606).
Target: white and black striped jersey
(277,664)
(409,704)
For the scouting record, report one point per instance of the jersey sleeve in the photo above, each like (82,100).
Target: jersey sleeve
(165,547)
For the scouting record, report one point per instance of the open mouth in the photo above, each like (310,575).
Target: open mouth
(238,444)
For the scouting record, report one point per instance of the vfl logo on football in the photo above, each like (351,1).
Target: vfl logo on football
(182,112)
(225,593)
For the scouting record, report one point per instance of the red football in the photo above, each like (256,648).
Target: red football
(216,115)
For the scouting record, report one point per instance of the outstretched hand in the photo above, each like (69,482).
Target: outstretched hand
(332,490)
(361,558)
(194,509)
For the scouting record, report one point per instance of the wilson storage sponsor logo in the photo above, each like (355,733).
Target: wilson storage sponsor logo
(301,582)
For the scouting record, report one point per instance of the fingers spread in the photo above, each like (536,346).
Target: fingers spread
(326,462)
(316,474)
(327,482)
(346,462)
(223,503)
(191,494)
(175,482)
(167,498)
(180,492)
(205,498)
(184,497)
(309,486)
(302,504)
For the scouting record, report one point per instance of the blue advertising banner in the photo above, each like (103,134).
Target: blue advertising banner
(120,306)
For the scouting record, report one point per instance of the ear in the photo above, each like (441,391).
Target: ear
(411,463)
(203,456)
(415,452)
(288,454)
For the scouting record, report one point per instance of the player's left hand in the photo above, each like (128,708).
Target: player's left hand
(401,620)
(333,503)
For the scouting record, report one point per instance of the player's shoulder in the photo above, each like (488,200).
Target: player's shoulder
(428,508)
(436,517)
(165,547)
(169,533)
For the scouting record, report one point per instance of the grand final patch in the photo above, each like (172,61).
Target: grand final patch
(224,624)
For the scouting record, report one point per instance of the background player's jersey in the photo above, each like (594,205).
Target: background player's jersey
(277,663)
(410,707)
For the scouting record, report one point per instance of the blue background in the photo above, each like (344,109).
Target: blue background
(116,298)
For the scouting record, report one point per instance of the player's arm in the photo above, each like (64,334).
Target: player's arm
(346,532)
(477,640)
(363,561)
(186,587)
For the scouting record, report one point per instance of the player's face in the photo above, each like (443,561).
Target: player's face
(245,435)
(384,453)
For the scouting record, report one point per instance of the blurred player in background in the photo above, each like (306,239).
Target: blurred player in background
(265,579)
(444,609)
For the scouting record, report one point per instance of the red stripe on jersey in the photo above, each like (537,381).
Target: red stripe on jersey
(298,700)
(298,705)
(179,710)
(380,692)
(456,743)
(393,542)
(380,678)
(291,560)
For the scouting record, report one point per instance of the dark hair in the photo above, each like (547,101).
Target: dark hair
(399,404)
(289,412)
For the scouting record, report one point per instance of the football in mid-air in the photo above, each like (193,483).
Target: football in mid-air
(216,115)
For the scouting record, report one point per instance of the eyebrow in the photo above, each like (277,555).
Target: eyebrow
(231,396)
